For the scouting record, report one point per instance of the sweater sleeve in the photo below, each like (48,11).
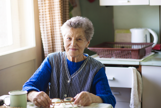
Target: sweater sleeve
(40,79)
(101,88)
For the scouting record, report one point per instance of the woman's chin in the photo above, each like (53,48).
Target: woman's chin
(73,53)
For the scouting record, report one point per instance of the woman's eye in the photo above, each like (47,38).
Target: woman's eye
(79,39)
(68,38)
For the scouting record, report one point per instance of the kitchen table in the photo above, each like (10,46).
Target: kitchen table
(31,105)
(93,105)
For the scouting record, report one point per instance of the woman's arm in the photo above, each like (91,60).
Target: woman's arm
(37,85)
(100,87)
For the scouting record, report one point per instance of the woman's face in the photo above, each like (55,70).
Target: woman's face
(75,43)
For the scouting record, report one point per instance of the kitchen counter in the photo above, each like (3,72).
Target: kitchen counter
(154,60)
(117,61)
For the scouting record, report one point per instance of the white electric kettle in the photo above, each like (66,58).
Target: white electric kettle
(142,35)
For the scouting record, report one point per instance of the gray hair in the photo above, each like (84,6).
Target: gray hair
(79,22)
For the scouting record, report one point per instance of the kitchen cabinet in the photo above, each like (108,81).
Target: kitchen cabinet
(151,74)
(120,81)
(123,2)
(150,69)
(151,86)
(155,2)
(129,2)
(119,77)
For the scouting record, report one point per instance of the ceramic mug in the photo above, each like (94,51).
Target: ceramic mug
(17,98)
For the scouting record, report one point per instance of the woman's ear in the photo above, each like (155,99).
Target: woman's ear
(87,44)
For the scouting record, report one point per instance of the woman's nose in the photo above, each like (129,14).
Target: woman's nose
(73,43)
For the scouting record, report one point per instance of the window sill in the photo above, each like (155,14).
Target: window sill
(16,50)
(17,56)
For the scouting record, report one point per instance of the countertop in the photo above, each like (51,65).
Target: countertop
(154,59)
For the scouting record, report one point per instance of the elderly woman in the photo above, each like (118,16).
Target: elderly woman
(71,73)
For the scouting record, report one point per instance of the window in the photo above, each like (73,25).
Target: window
(16,25)
(5,23)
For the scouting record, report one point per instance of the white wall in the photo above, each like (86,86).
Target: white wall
(14,77)
(126,17)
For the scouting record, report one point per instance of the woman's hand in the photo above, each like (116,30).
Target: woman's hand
(85,98)
(40,99)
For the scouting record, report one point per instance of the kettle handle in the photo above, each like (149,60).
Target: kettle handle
(154,36)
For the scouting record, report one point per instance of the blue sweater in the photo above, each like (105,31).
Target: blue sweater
(40,79)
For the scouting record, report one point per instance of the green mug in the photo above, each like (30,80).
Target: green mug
(18,98)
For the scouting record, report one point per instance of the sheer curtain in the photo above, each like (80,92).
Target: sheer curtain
(52,14)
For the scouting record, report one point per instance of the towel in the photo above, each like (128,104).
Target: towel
(136,90)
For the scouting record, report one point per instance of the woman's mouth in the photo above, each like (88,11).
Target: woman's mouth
(73,49)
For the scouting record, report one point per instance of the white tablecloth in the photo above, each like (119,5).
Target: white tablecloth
(93,105)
